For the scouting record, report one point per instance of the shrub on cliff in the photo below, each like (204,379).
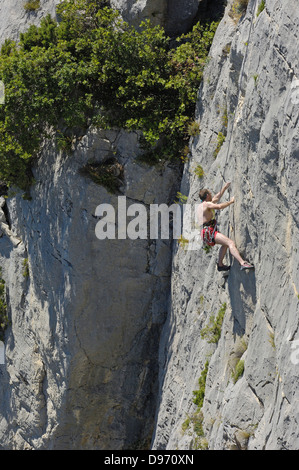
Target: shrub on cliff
(91,68)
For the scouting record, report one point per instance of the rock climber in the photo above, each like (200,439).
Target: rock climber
(210,234)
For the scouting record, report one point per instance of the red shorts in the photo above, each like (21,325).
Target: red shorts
(208,236)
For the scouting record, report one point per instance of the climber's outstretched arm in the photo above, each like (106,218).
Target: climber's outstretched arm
(222,205)
(219,195)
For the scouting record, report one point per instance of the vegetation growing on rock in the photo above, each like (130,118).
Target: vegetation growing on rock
(91,68)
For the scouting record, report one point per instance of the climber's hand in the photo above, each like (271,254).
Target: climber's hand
(227,185)
(232,200)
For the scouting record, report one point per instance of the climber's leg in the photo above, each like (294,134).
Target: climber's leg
(222,253)
(227,243)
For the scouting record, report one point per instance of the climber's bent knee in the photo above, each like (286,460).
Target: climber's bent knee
(221,239)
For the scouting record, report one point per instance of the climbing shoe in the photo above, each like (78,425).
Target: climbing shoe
(246,266)
(223,268)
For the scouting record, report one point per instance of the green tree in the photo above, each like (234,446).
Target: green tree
(91,68)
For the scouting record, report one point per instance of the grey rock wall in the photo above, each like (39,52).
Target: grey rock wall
(175,16)
(250,94)
(136,11)
(80,366)
(81,356)
(14,19)
(85,315)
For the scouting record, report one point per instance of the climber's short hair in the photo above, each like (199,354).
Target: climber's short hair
(203,194)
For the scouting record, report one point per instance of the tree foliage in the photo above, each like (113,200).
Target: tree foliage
(91,68)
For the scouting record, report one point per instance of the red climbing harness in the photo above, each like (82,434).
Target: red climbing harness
(209,232)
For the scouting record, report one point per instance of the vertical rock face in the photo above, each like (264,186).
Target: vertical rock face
(250,95)
(15,19)
(175,16)
(136,11)
(180,15)
(81,352)
(81,356)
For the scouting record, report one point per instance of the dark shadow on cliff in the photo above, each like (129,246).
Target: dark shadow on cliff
(180,17)
(242,293)
(211,9)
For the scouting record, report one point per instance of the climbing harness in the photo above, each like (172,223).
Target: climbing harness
(208,233)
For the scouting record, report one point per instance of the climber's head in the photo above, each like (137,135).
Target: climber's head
(205,195)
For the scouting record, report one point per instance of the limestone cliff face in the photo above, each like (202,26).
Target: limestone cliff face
(176,16)
(81,356)
(14,19)
(249,94)
(81,352)
(84,348)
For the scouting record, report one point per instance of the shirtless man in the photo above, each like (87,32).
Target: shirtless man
(210,234)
